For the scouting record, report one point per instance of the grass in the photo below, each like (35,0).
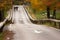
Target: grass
(40,15)
(5,14)
(58,16)
(5,34)
(1,36)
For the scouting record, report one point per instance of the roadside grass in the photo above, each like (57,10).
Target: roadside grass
(40,15)
(1,36)
(5,14)
(5,34)
(58,16)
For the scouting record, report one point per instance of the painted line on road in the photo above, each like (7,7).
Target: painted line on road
(38,31)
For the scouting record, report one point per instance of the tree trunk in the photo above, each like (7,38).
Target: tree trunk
(54,14)
(1,15)
(48,12)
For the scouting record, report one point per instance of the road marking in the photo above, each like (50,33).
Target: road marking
(38,31)
(8,38)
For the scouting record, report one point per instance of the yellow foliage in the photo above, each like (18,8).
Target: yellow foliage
(5,3)
(37,4)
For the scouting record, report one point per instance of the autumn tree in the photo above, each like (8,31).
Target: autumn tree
(45,5)
(55,6)
(36,5)
(49,4)
(4,6)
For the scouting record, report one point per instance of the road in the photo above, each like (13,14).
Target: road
(24,29)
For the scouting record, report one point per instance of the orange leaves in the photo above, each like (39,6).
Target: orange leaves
(5,3)
(2,5)
(49,2)
(42,4)
(58,4)
(37,4)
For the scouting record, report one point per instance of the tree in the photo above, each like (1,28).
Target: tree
(36,5)
(5,5)
(49,4)
(56,7)
(45,5)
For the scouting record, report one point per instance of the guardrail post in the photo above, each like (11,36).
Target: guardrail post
(55,24)
(59,25)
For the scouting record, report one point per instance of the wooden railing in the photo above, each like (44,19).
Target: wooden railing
(2,24)
(42,21)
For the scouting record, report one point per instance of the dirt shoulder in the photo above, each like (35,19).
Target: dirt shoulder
(8,35)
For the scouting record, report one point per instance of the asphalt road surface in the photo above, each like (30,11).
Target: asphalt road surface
(24,29)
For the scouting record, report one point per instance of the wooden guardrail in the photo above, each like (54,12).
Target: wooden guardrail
(2,24)
(42,21)
(31,19)
(55,22)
